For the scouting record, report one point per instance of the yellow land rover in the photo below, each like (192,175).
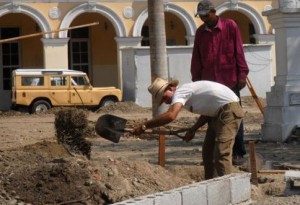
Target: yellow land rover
(41,89)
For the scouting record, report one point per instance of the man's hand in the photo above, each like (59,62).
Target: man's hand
(242,84)
(189,135)
(138,130)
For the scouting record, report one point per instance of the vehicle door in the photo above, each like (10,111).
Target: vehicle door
(59,90)
(81,90)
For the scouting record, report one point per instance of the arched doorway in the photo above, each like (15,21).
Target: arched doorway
(114,27)
(180,26)
(94,50)
(175,31)
(15,54)
(244,23)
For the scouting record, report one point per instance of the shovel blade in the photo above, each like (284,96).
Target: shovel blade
(110,127)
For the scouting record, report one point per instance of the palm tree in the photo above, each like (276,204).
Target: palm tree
(157,38)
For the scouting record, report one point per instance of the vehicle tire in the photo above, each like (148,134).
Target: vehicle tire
(108,101)
(14,107)
(40,106)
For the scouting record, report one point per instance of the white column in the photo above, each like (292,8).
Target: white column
(282,112)
(190,40)
(55,53)
(123,42)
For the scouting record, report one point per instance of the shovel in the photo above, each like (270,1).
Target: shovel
(112,128)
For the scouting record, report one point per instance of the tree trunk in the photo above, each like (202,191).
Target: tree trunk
(157,38)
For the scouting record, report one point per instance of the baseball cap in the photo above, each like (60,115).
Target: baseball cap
(204,7)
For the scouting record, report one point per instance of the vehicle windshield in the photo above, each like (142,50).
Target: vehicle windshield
(79,80)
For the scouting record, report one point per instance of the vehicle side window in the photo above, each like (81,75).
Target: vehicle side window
(79,80)
(32,81)
(58,80)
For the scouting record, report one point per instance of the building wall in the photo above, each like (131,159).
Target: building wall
(137,76)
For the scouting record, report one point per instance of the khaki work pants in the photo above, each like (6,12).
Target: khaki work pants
(219,140)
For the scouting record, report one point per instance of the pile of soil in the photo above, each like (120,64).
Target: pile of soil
(57,171)
(121,107)
(46,173)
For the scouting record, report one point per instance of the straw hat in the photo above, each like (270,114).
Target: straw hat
(158,88)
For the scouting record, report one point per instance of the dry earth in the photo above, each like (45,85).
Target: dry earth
(35,169)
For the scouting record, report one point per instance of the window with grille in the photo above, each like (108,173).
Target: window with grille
(79,50)
(9,55)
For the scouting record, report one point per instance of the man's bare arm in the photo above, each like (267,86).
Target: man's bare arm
(161,119)
(191,133)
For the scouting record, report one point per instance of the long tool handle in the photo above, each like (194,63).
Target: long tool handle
(161,132)
(253,93)
(48,32)
(272,171)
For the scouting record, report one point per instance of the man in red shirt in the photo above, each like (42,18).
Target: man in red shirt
(218,56)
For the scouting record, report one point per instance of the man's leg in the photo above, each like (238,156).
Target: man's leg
(223,157)
(208,152)
(239,149)
(227,126)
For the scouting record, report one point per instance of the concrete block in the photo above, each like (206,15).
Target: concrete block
(149,200)
(194,195)
(240,188)
(218,191)
(168,198)
(127,202)
(292,175)
(291,188)
(230,189)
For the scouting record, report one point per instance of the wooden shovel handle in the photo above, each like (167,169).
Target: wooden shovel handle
(253,93)
(161,132)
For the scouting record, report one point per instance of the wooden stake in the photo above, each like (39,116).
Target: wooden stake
(253,167)
(162,151)
(48,32)
(267,171)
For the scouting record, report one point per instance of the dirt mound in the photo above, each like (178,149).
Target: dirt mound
(127,179)
(45,173)
(122,107)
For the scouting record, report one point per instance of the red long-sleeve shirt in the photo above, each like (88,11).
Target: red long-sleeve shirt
(218,54)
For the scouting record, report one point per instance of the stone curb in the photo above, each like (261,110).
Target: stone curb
(231,189)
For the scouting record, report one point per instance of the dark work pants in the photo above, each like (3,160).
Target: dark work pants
(239,147)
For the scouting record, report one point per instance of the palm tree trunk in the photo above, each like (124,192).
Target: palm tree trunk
(157,38)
